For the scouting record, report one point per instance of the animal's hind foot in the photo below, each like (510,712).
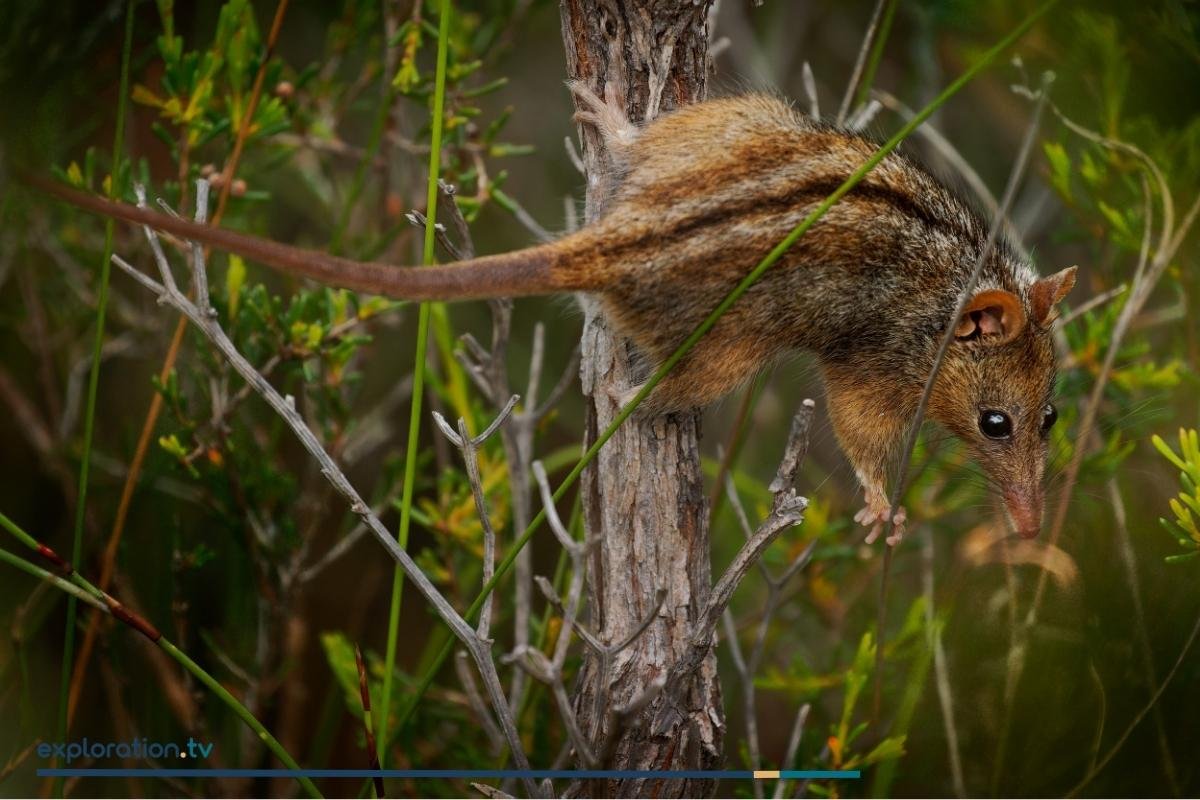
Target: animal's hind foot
(607,115)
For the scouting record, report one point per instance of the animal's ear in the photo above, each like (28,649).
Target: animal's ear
(993,315)
(1047,292)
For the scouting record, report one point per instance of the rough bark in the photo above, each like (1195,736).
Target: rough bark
(643,497)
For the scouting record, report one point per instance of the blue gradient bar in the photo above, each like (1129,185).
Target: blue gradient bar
(485,774)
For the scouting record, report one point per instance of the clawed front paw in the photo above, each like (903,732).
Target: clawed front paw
(876,516)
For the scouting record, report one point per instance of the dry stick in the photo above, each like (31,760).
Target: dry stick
(491,791)
(108,562)
(469,446)
(205,320)
(1094,771)
(859,65)
(810,91)
(793,746)
(910,442)
(489,371)
(593,753)
(530,659)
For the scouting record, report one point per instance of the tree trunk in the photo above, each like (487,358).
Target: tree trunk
(643,497)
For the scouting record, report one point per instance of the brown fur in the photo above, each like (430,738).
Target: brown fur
(698,197)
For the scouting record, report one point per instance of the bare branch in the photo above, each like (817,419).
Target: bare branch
(452,212)
(199,277)
(285,407)
(467,446)
(787,510)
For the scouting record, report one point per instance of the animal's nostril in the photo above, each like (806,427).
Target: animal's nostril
(1025,512)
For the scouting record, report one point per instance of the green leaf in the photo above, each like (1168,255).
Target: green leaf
(1167,452)
(235,278)
(147,98)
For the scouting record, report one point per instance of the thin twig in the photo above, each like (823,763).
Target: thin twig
(1145,279)
(810,91)
(793,747)
(1092,303)
(475,700)
(550,671)
(747,669)
(344,545)
(860,64)
(941,672)
(787,510)
(468,446)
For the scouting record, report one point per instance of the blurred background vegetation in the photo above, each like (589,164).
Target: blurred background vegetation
(235,547)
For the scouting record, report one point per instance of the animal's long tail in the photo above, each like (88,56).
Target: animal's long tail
(521,273)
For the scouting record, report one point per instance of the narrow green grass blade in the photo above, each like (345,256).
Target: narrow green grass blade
(414,420)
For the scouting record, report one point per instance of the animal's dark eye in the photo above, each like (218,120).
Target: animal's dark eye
(995,424)
(1049,417)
